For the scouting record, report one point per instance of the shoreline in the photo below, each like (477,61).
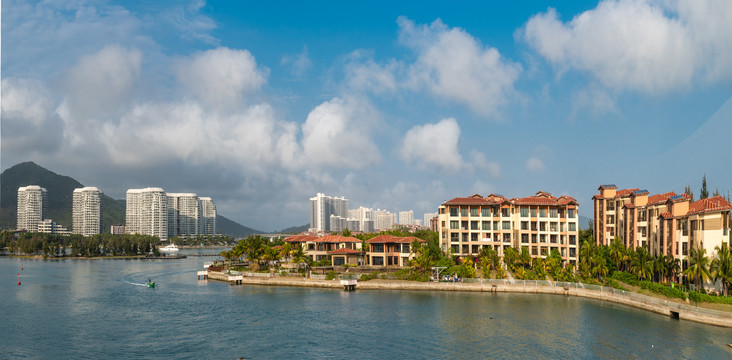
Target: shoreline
(670,308)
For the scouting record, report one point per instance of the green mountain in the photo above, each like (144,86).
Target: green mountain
(294,229)
(60,200)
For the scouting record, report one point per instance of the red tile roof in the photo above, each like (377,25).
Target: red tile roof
(666,215)
(344,251)
(544,198)
(469,201)
(300,238)
(661,198)
(712,204)
(625,192)
(382,239)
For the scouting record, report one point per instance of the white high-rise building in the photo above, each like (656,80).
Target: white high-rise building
(32,207)
(147,212)
(322,207)
(207,220)
(87,211)
(184,214)
(406,217)
(427,218)
(384,220)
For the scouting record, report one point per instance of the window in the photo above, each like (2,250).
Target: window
(474,249)
(572,240)
(533,212)
(533,226)
(474,237)
(533,238)
(486,225)
(504,212)
(473,225)
(525,238)
(553,226)
(506,225)
(553,239)
(378,247)
(570,213)
(542,212)
(507,238)
(542,226)
(486,212)
(465,236)
(542,238)
(474,211)
(495,225)
(642,231)
(464,212)
(454,237)
(453,211)
(561,227)
(572,226)
(464,225)
(553,212)
(534,251)
(524,225)
(524,212)
(454,224)
(455,249)
(377,260)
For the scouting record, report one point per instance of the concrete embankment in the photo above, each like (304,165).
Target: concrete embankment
(668,308)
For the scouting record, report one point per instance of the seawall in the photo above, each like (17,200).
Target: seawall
(668,308)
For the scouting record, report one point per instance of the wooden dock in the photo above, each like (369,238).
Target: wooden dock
(172,257)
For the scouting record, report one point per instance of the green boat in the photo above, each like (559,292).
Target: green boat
(150,283)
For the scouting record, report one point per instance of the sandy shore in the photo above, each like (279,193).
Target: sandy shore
(669,308)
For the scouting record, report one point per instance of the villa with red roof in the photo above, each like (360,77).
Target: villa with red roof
(541,222)
(388,250)
(666,224)
(340,249)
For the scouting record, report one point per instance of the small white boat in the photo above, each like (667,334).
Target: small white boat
(169,248)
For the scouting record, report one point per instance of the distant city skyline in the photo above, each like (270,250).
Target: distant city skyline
(397,105)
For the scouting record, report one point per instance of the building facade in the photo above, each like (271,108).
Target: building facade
(542,223)
(147,212)
(667,224)
(406,217)
(87,211)
(388,250)
(32,207)
(184,214)
(322,207)
(207,220)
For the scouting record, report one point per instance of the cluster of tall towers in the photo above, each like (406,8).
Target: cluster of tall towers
(150,211)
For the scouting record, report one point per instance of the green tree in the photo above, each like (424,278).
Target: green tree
(703,193)
(298,255)
(642,264)
(600,269)
(616,251)
(698,269)
(721,268)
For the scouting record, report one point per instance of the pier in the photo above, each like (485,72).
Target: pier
(349,285)
(202,275)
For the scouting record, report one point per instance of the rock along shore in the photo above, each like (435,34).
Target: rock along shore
(670,308)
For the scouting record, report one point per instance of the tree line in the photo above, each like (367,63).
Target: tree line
(56,245)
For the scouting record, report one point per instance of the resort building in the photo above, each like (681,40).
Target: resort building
(388,250)
(184,214)
(666,224)
(51,227)
(542,223)
(321,209)
(32,207)
(406,217)
(117,229)
(207,220)
(428,219)
(320,248)
(87,211)
(147,212)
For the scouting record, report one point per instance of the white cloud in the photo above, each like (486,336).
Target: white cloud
(29,123)
(299,64)
(337,133)
(221,76)
(433,146)
(646,46)
(363,73)
(98,86)
(454,65)
(482,188)
(481,163)
(534,164)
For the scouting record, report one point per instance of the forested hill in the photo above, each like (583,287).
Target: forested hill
(60,200)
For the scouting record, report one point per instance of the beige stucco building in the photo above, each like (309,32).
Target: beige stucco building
(541,223)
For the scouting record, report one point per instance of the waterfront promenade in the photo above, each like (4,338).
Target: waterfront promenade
(602,293)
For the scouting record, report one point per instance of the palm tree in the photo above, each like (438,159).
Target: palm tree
(698,269)
(286,250)
(298,255)
(271,255)
(587,250)
(642,264)
(616,251)
(525,257)
(722,266)
(672,268)
(600,269)
(660,267)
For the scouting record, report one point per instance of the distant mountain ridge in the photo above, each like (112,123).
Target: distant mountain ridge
(294,229)
(60,200)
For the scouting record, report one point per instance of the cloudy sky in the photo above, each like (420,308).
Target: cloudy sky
(262,104)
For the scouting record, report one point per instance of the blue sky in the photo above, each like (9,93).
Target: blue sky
(260,105)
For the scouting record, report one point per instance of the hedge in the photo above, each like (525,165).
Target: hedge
(699,297)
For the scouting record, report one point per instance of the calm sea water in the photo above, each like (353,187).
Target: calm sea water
(91,309)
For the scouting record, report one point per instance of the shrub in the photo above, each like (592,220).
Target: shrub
(663,290)
(367,277)
(699,297)
(625,277)
(331,275)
